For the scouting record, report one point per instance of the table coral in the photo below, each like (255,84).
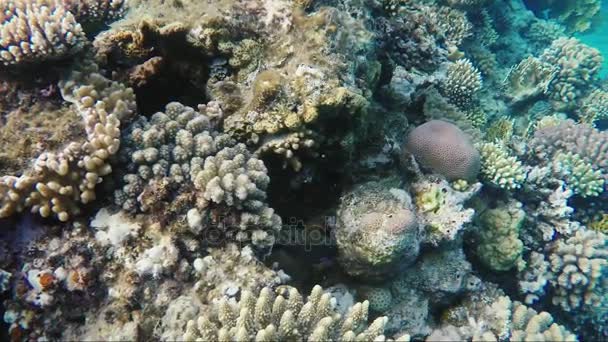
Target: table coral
(528,79)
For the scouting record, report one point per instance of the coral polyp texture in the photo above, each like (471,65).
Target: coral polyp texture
(285,315)
(445,149)
(37,31)
(188,170)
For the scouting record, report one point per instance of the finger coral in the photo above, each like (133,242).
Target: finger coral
(60,182)
(271,317)
(580,266)
(180,149)
(37,31)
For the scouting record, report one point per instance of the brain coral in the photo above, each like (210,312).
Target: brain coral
(445,149)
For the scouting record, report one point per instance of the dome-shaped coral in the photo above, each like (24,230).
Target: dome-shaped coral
(377,231)
(445,149)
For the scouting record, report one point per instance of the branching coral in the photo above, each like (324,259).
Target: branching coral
(462,83)
(500,168)
(577,66)
(60,182)
(499,246)
(579,175)
(594,107)
(180,150)
(454,25)
(270,317)
(95,11)
(491,316)
(580,265)
(37,31)
(528,79)
(586,142)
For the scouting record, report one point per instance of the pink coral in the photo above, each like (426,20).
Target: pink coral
(445,149)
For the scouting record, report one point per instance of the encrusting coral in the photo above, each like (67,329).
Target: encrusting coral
(37,31)
(269,317)
(60,182)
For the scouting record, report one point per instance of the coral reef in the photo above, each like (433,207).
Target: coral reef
(187,170)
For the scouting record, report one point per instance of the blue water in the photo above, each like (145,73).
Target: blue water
(598,36)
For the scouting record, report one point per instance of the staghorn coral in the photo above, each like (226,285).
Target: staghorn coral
(527,80)
(500,168)
(37,31)
(462,83)
(377,231)
(445,149)
(499,246)
(580,268)
(577,66)
(60,182)
(594,107)
(268,317)
(177,153)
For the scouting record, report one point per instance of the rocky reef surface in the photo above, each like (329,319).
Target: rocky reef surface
(262,170)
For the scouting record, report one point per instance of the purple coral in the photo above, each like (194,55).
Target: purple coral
(445,149)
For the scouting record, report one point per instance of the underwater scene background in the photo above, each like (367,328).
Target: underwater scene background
(269,170)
